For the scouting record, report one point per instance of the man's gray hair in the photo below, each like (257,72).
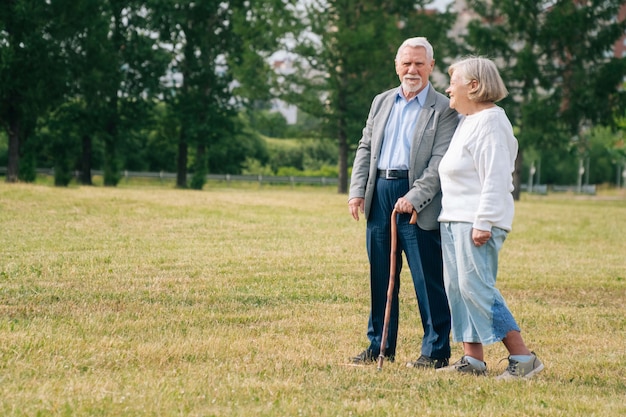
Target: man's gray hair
(417,42)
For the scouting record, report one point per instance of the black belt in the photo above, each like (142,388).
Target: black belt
(393,174)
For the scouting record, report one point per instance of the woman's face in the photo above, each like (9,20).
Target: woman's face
(458,91)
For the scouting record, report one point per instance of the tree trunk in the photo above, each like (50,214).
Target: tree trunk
(181,169)
(13,165)
(200,168)
(111,169)
(85,160)
(112,174)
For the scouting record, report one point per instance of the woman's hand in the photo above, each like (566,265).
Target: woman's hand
(480,237)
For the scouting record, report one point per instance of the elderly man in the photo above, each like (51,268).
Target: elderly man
(407,132)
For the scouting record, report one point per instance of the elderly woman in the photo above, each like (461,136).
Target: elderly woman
(476,216)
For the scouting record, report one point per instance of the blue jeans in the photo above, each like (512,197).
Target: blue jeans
(422,249)
(479,312)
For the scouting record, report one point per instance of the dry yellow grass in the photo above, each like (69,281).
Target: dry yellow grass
(247,301)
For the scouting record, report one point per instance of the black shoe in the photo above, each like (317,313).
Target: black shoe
(368,356)
(427,362)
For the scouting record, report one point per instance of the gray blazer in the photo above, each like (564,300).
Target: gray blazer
(433,132)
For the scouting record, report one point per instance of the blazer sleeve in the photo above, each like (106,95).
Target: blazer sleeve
(363,158)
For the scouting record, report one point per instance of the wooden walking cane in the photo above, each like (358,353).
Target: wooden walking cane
(392,282)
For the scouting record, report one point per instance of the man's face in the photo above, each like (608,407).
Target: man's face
(413,69)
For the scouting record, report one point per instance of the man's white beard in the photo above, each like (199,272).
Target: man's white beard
(411,88)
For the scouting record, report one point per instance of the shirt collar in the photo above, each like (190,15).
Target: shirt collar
(420,97)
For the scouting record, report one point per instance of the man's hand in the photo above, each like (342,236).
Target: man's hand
(480,237)
(404,206)
(356,205)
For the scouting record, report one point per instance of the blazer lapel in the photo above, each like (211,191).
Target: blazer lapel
(425,114)
(422,122)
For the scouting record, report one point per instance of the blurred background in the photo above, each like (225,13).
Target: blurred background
(283,87)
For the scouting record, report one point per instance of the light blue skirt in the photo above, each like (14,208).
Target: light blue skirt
(479,312)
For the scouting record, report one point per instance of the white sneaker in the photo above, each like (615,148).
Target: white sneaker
(517,370)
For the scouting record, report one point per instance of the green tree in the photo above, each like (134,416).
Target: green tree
(580,37)
(59,142)
(112,71)
(554,58)
(347,58)
(160,150)
(269,123)
(132,71)
(602,151)
(32,76)
(219,51)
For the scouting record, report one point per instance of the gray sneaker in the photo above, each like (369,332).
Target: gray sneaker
(463,366)
(517,370)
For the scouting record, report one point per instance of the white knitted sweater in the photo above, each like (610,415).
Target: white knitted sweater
(476,171)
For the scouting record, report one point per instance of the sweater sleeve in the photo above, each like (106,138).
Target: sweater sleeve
(493,160)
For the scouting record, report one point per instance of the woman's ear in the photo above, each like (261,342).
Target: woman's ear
(473,86)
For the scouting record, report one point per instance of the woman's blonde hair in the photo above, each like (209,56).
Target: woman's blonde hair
(490,86)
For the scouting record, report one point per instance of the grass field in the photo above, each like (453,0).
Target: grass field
(247,301)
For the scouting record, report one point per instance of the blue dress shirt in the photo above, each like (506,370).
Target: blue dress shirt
(396,150)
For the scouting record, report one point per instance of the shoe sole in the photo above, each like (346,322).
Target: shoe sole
(414,366)
(452,370)
(417,364)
